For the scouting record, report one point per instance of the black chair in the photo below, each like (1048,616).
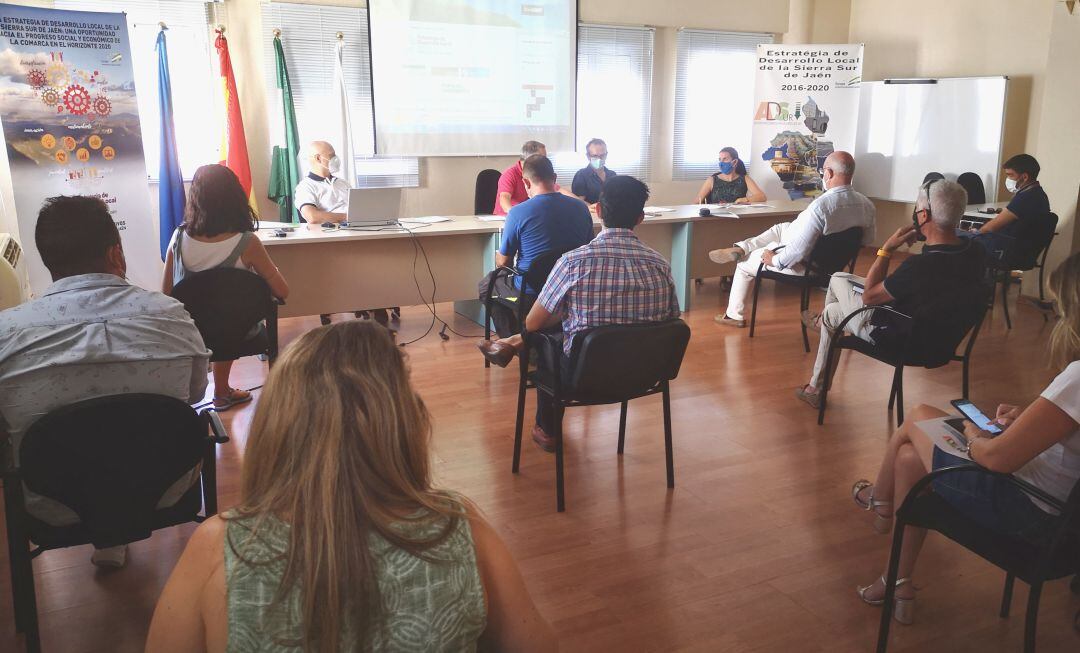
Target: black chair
(1002,270)
(532,280)
(909,353)
(973,184)
(487,188)
(831,254)
(227,304)
(1057,558)
(932,176)
(613,364)
(109,459)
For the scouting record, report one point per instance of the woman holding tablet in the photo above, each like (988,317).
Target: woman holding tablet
(1039,444)
(731,185)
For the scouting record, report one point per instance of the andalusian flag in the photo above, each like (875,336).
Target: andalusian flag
(284,166)
(234,152)
(344,141)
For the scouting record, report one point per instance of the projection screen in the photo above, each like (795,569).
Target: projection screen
(472,77)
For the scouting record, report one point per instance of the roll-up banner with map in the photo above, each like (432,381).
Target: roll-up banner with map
(806,107)
(71,125)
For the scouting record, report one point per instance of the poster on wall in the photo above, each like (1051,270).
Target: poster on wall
(806,105)
(71,126)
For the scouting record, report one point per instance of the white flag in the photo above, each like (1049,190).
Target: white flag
(343,144)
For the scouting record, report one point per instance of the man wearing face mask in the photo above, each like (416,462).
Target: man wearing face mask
(1021,229)
(838,209)
(947,273)
(589,180)
(548,221)
(321,197)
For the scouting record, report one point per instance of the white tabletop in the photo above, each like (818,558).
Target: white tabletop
(972,210)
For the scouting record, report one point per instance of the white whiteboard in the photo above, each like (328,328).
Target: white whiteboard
(906,130)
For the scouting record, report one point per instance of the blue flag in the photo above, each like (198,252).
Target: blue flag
(170,181)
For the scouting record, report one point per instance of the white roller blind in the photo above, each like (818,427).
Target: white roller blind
(308,37)
(714,97)
(614,99)
(195,93)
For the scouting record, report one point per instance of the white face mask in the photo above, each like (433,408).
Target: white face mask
(334,166)
(1010,185)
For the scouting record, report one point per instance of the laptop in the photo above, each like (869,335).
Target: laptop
(365,210)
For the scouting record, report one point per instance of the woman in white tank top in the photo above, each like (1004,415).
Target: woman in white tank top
(219,231)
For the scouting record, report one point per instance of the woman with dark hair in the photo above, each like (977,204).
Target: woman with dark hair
(219,231)
(731,185)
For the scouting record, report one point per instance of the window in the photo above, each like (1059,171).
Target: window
(614,99)
(309,38)
(714,98)
(192,73)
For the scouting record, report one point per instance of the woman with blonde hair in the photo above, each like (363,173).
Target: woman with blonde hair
(340,541)
(1040,444)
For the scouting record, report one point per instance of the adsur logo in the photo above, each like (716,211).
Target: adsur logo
(778,111)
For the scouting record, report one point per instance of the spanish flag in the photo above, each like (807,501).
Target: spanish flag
(234,152)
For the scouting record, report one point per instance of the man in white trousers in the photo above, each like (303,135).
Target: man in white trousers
(838,209)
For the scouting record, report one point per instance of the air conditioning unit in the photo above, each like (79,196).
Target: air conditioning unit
(14,282)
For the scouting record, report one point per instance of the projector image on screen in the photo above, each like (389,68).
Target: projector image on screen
(469,77)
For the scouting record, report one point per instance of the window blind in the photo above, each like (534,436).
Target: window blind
(614,99)
(309,37)
(714,96)
(199,124)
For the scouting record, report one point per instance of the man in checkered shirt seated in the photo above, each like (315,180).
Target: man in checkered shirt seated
(615,279)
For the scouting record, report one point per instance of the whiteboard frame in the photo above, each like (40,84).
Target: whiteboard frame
(992,189)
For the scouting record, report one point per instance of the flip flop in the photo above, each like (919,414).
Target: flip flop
(234,398)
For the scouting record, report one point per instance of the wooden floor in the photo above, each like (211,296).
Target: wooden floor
(758,547)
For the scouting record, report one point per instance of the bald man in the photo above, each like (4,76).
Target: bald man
(838,209)
(324,197)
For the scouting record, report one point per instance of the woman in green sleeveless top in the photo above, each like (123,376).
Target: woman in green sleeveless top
(731,184)
(340,542)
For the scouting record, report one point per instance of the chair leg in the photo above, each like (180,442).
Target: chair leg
(892,390)
(966,376)
(622,426)
(825,382)
(560,500)
(209,480)
(487,332)
(1006,596)
(900,396)
(1006,280)
(753,309)
(890,587)
(520,423)
(1032,618)
(804,306)
(1042,297)
(667,437)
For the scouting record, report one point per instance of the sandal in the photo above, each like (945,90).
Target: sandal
(903,608)
(812,398)
(882,523)
(811,320)
(232,399)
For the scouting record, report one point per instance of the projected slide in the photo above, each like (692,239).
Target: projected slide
(463,77)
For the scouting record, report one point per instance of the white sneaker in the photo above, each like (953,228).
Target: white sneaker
(114,556)
(727,255)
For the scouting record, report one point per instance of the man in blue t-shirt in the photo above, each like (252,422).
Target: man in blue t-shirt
(1017,234)
(547,222)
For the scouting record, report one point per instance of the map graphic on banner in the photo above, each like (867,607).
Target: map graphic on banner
(71,126)
(806,104)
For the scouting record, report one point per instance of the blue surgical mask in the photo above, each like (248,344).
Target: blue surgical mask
(596,163)
(726,167)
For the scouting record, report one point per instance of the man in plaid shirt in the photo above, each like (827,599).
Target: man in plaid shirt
(615,279)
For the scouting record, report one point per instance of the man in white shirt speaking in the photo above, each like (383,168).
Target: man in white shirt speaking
(839,208)
(323,197)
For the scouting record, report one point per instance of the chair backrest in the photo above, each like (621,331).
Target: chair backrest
(932,176)
(487,187)
(623,361)
(973,184)
(110,459)
(938,328)
(834,251)
(540,269)
(1028,246)
(226,304)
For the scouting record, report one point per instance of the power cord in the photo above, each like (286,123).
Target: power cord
(418,249)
